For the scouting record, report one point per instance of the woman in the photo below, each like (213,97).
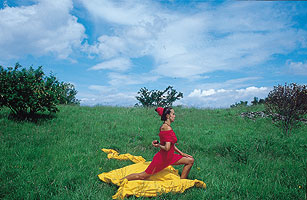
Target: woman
(166,155)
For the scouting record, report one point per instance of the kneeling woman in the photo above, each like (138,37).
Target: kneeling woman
(166,155)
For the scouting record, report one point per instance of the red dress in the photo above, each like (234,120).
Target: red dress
(164,158)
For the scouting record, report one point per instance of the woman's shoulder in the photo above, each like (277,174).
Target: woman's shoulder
(165,127)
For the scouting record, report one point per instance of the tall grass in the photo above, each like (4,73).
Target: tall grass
(237,158)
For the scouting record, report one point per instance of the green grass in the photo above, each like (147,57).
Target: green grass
(237,158)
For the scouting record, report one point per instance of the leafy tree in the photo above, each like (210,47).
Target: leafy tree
(287,104)
(28,91)
(240,104)
(163,98)
(68,94)
(257,102)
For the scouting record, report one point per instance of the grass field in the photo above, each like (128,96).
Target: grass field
(237,158)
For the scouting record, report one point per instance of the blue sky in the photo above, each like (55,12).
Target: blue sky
(215,52)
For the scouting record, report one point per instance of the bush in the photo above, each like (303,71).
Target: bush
(241,104)
(257,102)
(287,105)
(158,98)
(28,91)
(68,94)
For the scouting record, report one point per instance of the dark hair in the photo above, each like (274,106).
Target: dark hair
(166,110)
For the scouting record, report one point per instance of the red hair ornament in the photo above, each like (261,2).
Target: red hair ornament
(159,110)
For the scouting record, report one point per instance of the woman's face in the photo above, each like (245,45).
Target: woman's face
(172,115)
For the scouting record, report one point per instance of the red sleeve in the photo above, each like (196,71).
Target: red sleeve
(168,136)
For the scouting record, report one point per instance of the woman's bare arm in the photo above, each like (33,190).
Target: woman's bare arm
(183,154)
(165,147)
(177,150)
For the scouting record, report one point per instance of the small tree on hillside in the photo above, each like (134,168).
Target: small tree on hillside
(28,91)
(287,104)
(158,98)
(68,94)
(257,102)
(240,104)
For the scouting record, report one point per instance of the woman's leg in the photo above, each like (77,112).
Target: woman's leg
(188,163)
(137,176)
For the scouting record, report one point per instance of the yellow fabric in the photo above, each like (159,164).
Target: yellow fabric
(167,180)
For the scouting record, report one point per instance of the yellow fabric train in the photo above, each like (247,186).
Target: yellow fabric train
(167,180)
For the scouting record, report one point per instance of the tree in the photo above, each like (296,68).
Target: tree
(68,94)
(241,104)
(257,102)
(287,104)
(28,91)
(158,98)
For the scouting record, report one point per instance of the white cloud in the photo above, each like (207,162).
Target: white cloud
(223,97)
(101,88)
(119,12)
(299,68)
(231,84)
(117,99)
(204,93)
(134,28)
(252,89)
(212,98)
(107,47)
(40,29)
(250,92)
(209,97)
(135,25)
(106,95)
(118,64)
(117,93)
(227,36)
(117,79)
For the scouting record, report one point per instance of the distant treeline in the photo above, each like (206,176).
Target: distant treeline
(245,103)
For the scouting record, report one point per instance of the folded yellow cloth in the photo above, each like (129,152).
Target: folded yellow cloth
(167,180)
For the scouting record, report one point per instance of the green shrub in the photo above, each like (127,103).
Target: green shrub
(241,104)
(287,105)
(257,102)
(68,94)
(158,98)
(28,91)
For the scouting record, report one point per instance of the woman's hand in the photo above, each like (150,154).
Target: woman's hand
(155,143)
(186,155)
